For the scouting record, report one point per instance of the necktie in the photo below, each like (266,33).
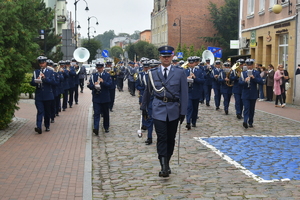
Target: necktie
(165,72)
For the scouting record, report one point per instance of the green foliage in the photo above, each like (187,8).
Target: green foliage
(225,20)
(92,45)
(142,49)
(26,88)
(116,51)
(105,38)
(20,22)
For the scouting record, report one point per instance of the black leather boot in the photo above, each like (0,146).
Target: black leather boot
(148,141)
(168,165)
(164,171)
(188,126)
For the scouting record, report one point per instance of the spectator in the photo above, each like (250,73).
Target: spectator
(278,86)
(270,82)
(298,70)
(263,75)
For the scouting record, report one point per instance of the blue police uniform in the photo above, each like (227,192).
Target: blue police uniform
(72,75)
(131,80)
(208,83)
(120,77)
(226,89)
(216,85)
(195,90)
(66,87)
(169,105)
(76,81)
(43,97)
(249,93)
(101,99)
(112,88)
(237,93)
(59,91)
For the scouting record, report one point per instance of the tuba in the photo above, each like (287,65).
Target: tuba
(237,69)
(81,54)
(208,54)
(135,76)
(229,83)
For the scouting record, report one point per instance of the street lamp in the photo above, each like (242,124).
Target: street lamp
(94,29)
(277,8)
(179,24)
(87,9)
(89,25)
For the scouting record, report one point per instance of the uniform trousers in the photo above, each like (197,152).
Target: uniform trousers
(43,111)
(249,109)
(76,93)
(81,83)
(112,94)
(238,103)
(57,104)
(192,111)
(71,96)
(120,84)
(207,91)
(53,109)
(217,97)
(101,108)
(226,102)
(131,87)
(166,134)
(65,99)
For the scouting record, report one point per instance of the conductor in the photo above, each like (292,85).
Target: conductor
(169,87)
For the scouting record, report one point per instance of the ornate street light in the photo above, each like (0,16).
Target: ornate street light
(179,24)
(87,9)
(89,25)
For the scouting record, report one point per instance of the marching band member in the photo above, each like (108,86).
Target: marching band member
(82,77)
(112,87)
(202,95)
(249,80)
(216,85)
(208,81)
(54,89)
(76,79)
(195,79)
(72,74)
(237,88)
(226,86)
(66,86)
(59,88)
(131,72)
(43,80)
(120,76)
(168,84)
(175,61)
(100,83)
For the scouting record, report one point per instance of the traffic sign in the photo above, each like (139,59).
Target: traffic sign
(180,55)
(217,51)
(105,53)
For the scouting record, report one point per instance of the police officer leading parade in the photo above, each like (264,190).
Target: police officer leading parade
(169,86)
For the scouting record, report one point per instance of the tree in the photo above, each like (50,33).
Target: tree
(225,20)
(142,49)
(92,45)
(105,38)
(135,35)
(116,51)
(20,22)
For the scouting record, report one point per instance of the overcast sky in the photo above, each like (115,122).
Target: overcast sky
(122,16)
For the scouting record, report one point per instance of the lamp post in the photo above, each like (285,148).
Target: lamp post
(94,29)
(179,24)
(277,8)
(90,27)
(87,9)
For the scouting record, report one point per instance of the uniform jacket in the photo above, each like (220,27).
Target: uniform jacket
(101,96)
(177,86)
(215,82)
(249,91)
(122,71)
(113,80)
(82,73)
(72,75)
(196,88)
(208,73)
(225,89)
(43,91)
(66,79)
(236,88)
(130,73)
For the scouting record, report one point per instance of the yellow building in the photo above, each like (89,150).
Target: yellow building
(268,37)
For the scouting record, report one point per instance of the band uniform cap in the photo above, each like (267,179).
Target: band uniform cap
(166,50)
(249,61)
(55,64)
(207,59)
(197,58)
(99,64)
(242,61)
(181,62)
(67,62)
(41,58)
(131,63)
(226,64)
(175,59)
(146,63)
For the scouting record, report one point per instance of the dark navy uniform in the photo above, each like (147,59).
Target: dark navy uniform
(112,88)
(226,86)
(66,86)
(208,81)
(76,79)
(216,85)
(72,79)
(170,90)
(249,80)
(120,76)
(130,73)
(195,86)
(43,79)
(237,90)
(101,97)
(82,76)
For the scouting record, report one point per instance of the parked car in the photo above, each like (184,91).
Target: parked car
(92,68)
(87,68)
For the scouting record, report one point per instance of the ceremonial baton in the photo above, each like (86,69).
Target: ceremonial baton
(179,140)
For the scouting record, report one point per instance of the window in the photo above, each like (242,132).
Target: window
(262,5)
(250,7)
(272,3)
(283,50)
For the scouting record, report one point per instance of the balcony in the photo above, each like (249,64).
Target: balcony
(61,19)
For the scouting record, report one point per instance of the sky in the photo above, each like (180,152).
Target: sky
(122,16)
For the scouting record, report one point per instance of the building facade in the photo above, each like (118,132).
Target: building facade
(145,36)
(191,19)
(271,38)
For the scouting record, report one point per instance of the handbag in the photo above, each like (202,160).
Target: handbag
(287,85)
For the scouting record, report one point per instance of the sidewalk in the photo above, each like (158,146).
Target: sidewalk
(56,164)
